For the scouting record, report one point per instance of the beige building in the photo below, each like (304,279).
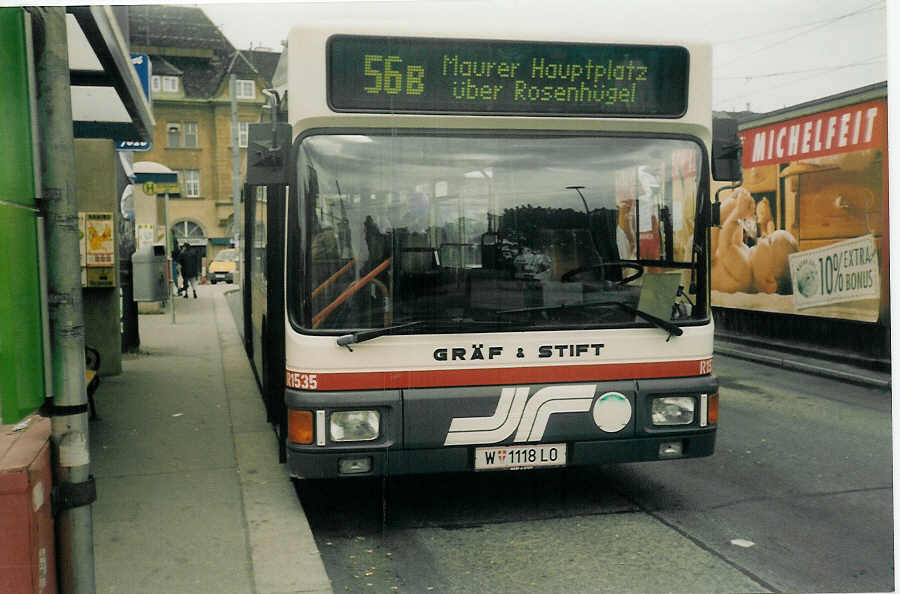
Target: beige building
(191,65)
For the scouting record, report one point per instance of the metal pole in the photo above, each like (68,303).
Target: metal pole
(168,263)
(69,443)
(235,166)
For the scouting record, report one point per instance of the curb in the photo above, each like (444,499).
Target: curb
(283,553)
(819,368)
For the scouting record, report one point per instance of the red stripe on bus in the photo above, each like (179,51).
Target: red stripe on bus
(376,380)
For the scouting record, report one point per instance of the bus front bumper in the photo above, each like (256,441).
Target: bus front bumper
(321,464)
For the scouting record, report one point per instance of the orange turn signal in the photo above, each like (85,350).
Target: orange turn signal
(300,426)
(712,409)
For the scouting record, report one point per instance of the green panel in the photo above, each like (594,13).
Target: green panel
(16,175)
(21,350)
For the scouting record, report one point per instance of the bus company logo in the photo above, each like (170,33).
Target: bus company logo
(527,418)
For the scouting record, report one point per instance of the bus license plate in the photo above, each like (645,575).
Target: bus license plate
(520,457)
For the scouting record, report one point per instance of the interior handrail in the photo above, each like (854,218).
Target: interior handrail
(349,292)
(333,277)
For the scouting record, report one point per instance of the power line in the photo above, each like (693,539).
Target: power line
(865,62)
(744,95)
(872,7)
(820,25)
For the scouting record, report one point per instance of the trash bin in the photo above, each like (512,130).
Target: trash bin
(148,273)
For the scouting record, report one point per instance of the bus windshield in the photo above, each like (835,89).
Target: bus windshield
(424,230)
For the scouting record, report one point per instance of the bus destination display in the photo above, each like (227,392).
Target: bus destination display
(412,75)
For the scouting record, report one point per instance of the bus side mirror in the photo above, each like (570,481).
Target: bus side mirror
(726,151)
(268,153)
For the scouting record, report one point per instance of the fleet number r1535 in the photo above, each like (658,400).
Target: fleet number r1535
(302,381)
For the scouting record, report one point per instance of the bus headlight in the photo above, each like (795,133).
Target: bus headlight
(672,410)
(355,425)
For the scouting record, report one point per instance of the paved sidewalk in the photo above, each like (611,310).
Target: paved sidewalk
(190,495)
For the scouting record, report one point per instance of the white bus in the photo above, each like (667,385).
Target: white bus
(470,253)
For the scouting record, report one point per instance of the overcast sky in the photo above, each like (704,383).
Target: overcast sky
(767,54)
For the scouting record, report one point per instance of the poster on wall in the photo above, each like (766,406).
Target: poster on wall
(806,232)
(143,234)
(98,237)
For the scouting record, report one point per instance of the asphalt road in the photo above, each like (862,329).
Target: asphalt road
(797,498)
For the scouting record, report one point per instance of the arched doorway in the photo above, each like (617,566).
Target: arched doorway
(191,232)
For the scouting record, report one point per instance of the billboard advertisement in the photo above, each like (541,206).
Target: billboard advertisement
(807,232)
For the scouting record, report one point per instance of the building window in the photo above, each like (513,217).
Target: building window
(182,135)
(243,134)
(192,182)
(165,84)
(173,134)
(189,180)
(190,134)
(246,89)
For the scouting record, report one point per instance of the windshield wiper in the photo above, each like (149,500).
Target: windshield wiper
(346,340)
(363,335)
(656,321)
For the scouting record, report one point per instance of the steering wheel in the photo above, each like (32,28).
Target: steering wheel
(639,270)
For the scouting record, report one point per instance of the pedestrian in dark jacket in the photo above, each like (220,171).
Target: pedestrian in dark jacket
(190,269)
